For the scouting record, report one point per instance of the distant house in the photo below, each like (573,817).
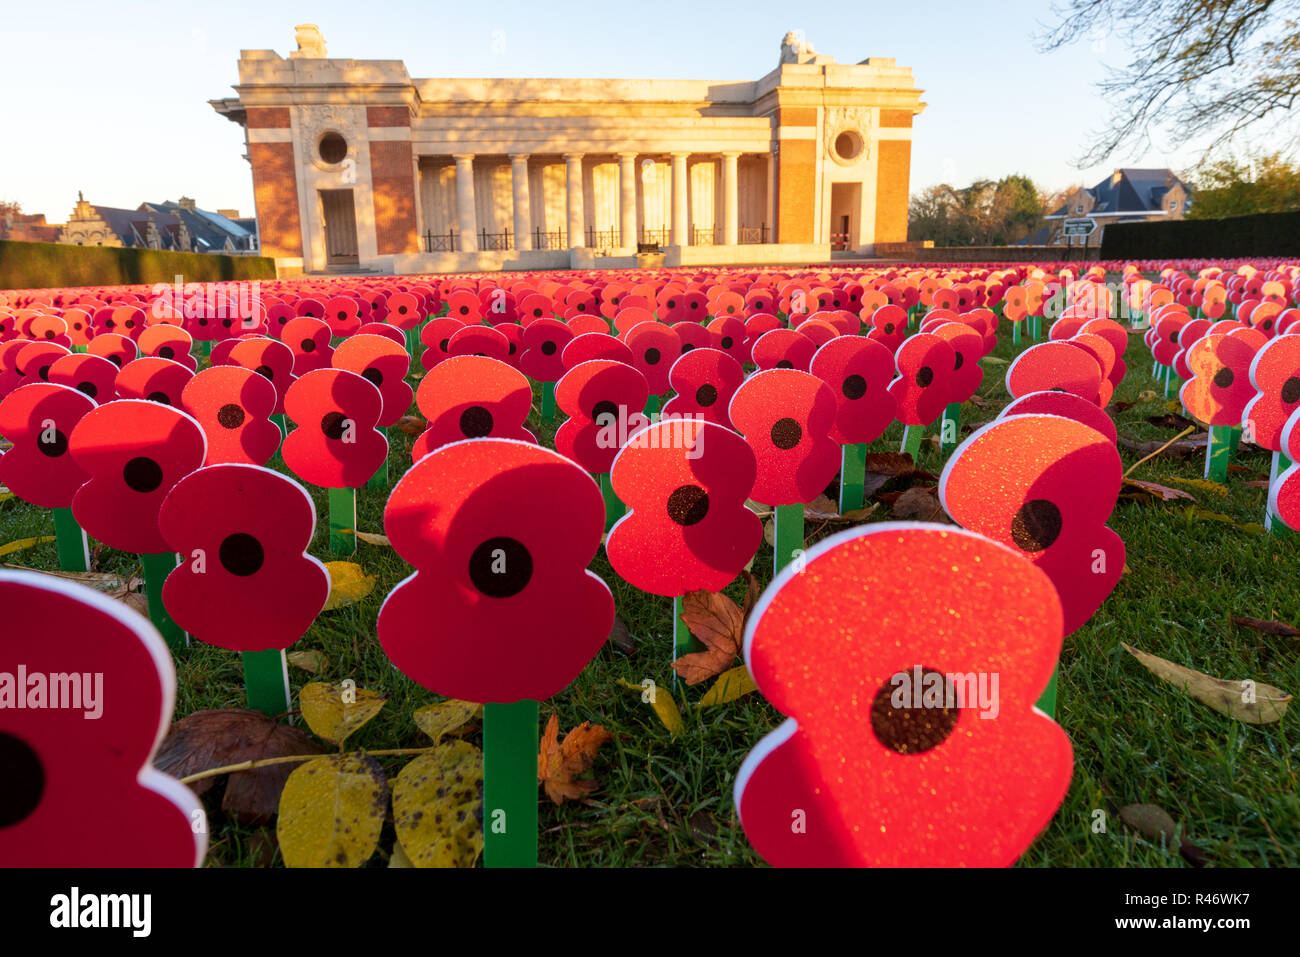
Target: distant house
(178,226)
(1126,196)
(27,227)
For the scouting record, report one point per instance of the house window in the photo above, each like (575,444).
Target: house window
(1173,204)
(1078,209)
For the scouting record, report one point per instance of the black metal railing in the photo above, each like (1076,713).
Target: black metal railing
(750,235)
(552,240)
(440,242)
(601,238)
(654,237)
(706,236)
(494,241)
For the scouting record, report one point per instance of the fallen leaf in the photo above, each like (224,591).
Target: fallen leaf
(704,826)
(560,765)
(1183,448)
(1267,627)
(334,712)
(100,581)
(1147,395)
(216,738)
(758,508)
(769,533)
(23,544)
(412,425)
(332,811)
(398,858)
(438,806)
(715,620)
(620,637)
(1150,821)
(348,584)
(664,705)
(1171,420)
(822,509)
(1257,483)
(922,504)
(313,662)
(1205,485)
(136,601)
(1205,515)
(444,717)
(994,360)
(1155,490)
(890,463)
(1250,701)
(732,684)
(371,538)
(5,496)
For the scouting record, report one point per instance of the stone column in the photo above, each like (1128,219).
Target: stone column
(627,199)
(680,216)
(573,199)
(730,199)
(523,209)
(467,220)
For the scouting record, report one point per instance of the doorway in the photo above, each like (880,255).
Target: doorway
(340,218)
(846,202)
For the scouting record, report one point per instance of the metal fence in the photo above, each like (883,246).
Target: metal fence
(440,242)
(752,235)
(552,240)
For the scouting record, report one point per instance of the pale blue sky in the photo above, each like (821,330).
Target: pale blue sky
(111,97)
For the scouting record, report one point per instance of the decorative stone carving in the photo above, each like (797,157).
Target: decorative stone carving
(315,121)
(311,44)
(855,121)
(795,49)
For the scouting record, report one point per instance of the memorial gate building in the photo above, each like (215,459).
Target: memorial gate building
(356,165)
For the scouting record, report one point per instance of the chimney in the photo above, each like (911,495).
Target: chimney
(185,203)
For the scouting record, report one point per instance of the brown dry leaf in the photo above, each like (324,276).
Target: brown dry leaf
(312,662)
(1182,449)
(1170,420)
(371,538)
(1250,701)
(715,620)
(922,504)
(1267,627)
(822,509)
(412,424)
(216,738)
(890,463)
(1155,490)
(1257,483)
(620,637)
(100,581)
(1150,821)
(561,764)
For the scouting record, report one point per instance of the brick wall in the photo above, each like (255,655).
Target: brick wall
(892,174)
(393,186)
(796,180)
(275,191)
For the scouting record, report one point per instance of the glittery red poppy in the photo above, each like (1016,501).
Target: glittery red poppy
(436,337)
(309,307)
(518,615)
(269,358)
(1100,349)
(479,341)
(309,339)
(858,372)
(1044,485)
(54,758)
(704,380)
(692,336)
(134,451)
(595,345)
(93,375)
(1275,374)
(168,342)
(1117,336)
(464,306)
(783,349)
(685,483)
(384,364)
(786,417)
(79,326)
(245,582)
(1219,388)
(889,326)
(343,314)
(472,397)
(1055,365)
(1067,406)
(158,380)
(391,333)
(544,344)
(35,359)
(335,444)
(603,399)
(1166,344)
(10,377)
(50,329)
(880,773)
(534,306)
(278,315)
(1284,494)
(727,334)
(967,344)
(38,419)
(234,406)
(923,387)
(401,309)
(655,347)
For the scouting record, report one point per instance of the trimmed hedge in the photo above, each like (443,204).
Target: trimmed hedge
(42,265)
(1263,234)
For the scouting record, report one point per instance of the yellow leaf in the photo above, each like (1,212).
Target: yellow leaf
(24,543)
(1250,701)
(331,812)
(730,685)
(310,661)
(6,495)
(370,538)
(1204,485)
(435,720)
(1147,395)
(398,857)
(438,804)
(1205,515)
(663,703)
(333,712)
(348,583)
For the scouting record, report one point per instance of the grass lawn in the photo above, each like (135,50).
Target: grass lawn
(667,801)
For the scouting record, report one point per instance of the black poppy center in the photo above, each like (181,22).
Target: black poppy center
(727,342)
(266,372)
(1223,378)
(924,376)
(308,345)
(88,388)
(786,433)
(688,505)
(375,376)
(167,352)
(958,361)
(475,422)
(902,722)
(241,554)
(230,416)
(1291,390)
(603,411)
(333,425)
(706,395)
(22,779)
(1036,525)
(160,397)
(142,474)
(54,445)
(889,328)
(500,567)
(854,387)
(548,348)
(785,364)
(652,356)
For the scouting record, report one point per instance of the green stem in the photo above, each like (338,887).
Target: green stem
(683,641)
(266,680)
(74,550)
(1015,333)
(343,520)
(652,406)
(1273,523)
(510,742)
(950,426)
(156,569)
(912,435)
(380,479)
(614,507)
(548,401)
(1218,450)
(788,534)
(1047,702)
(853,474)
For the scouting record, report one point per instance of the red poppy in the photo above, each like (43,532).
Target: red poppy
(335,444)
(1166,343)
(269,358)
(245,582)
(595,345)
(603,399)
(1066,405)
(158,380)
(692,336)
(122,320)
(1100,349)
(310,307)
(50,329)
(384,364)
(685,482)
(968,345)
(1117,336)
(1284,494)
(519,616)
(234,406)
(497,306)
(727,334)
(858,371)
(168,342)
(889,326)
(544,344)
(309,339)
(704,380)
(35,359)
(655,347)
(343,314)
(881,773)
(923,387)
(38,419)
(392,333)
(53,757)
(93,375)
(464,306)
(1219,388)
(534,306)
(786,417)
(436,337)
(402,310)
(472,397)
(1275,374)
(278,315)
(1044,485)
(1055,365)
(134,451)
(479,341)
(80,327)
(783,349)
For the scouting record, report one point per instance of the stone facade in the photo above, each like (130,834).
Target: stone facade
(357,164)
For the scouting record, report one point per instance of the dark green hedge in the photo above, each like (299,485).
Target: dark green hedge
(42,265)
(1264,234)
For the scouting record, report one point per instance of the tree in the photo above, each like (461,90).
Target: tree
(985,213)
(1197,67)
(1267,183)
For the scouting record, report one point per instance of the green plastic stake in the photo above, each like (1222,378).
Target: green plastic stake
(853,474)
(1037,326)
(548,401)
(787,535)
(614,507)
(1015,333)
(950,426)
(652,406)
(414,347)
(1217,453)
(70,540)
(156,569)
(912,435)
(510,742)
(1047,702)
(1234,439)
(343,520)
(1273,523)
(380,479)
(266,680)
(81,348)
